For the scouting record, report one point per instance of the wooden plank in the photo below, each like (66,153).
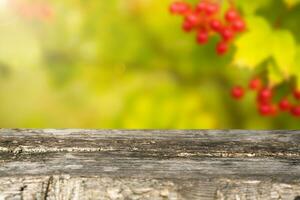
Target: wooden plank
(149,164)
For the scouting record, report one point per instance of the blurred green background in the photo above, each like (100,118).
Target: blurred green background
(115,64)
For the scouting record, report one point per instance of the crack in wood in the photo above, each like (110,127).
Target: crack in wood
(47,190)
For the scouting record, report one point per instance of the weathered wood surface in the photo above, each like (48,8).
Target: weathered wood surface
(148,164)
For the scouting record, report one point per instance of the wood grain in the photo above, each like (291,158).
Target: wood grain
(149,164)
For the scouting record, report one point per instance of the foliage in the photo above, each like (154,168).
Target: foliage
(125,64)
(271,40)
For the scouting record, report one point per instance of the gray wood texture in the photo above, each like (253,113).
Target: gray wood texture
(149,164)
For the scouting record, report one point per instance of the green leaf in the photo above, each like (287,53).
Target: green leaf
(284,51)
(261,43)
(274,75)
(252,47)
(296,66)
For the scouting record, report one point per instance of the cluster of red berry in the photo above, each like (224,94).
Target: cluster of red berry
(265,101)
(206,19)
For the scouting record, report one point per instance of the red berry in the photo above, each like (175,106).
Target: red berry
(211,8)
(222,48)
(192,19)
(265,95)
(284,105)
(237,92)
(174,7)
(295,111)
(296,94)
(227,34)
(187,26)
(216,25)
(201,7)
(231,15)
(179,8)
(238,25)
(202,37)
(265,109)
(255,84)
